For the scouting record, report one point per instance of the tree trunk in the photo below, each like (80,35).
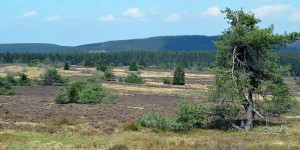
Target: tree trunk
(249,112)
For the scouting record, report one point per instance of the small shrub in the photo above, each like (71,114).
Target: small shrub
(6,111)
(52,77)
(134,79)
(189,116)
(156,120)
(11,80)
(24,80)
(61,98)
(66,66)
(167,80)
(92,93)
(133,65)
(6,88)
(84,92)
(178,78)
(108,75)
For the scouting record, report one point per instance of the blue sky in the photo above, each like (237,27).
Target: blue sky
(75,22)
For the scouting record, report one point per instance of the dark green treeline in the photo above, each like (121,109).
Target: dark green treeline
(157,59)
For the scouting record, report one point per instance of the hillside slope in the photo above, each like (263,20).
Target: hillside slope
(176,43)
(32,47)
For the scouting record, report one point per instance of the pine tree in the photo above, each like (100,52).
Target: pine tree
(66,66)
(133,65)
(247,69)
(178,78)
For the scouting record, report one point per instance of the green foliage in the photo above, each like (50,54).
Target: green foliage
(66,66)
(11,80)
(188,116)
(6,88)
(134,79)
(108,75)
(133,65)
(84,92)
(155,120)
(178,78)
(91,93)
(6,111)
(101,63)
(167,80)
(225,111)
(52,77)
(247,66)
(61,98)
(24,80)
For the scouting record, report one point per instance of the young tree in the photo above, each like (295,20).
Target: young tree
(247,66)
(101,63)
(133,65)
(178,78)
(66,66)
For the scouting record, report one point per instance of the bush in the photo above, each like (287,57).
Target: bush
(189,116)
(167,80)
(84,92)
(92,93)
(108,75)
(133,65)
(298,81)
(24,80)
(11,79)
(6,88)
(178,78)
(134,79)
(66,66)
(51,77)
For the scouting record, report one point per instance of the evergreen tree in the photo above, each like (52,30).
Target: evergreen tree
(247,66)
(178,78)
(66,66)
(133,65)
(101,63)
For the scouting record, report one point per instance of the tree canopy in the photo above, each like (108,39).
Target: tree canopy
(247,74)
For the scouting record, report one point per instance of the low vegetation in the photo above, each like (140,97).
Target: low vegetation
(84,92)
(134,79)
(52,77)
(6,88)
(179,75)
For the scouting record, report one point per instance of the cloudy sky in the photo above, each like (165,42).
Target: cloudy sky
(75,22)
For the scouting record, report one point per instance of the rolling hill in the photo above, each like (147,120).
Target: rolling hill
(33,47)
(160,43)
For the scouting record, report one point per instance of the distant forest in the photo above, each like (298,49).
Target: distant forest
(161,43)
(199,60)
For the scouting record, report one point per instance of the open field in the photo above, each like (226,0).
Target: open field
(30,119)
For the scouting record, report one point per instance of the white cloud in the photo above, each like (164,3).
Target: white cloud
(269,10)
(212,11)
(295,16)
(133,12)
(109,18)
(174,17)
(53,18)
(29,14)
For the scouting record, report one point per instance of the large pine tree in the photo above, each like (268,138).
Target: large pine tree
(247,74)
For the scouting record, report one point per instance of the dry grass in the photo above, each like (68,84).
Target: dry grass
(148,139)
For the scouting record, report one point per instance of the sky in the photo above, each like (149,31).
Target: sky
(76,22)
